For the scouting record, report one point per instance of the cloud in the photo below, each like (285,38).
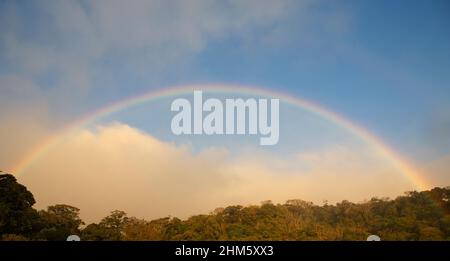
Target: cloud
(81,55)
(78,42)
(64,58)
(120,167)
(61,59)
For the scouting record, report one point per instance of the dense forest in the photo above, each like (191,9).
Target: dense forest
(414,216)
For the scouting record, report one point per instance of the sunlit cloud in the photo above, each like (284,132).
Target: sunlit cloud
(120,167)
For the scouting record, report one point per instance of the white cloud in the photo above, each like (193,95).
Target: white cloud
(147,36)
(119,167)
(58,57)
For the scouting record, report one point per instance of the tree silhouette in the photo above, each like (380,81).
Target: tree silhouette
(16,213)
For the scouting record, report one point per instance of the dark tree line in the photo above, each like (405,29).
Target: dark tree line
(414,216)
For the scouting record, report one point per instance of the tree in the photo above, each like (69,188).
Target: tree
(139,229)
(431,233)
(415,216)
(16,213)
(231,214)
(95,232)
(59,221)
(114,224)
(110,228)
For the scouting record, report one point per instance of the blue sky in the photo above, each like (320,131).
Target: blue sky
(385,65)
(382,64)
(388,71)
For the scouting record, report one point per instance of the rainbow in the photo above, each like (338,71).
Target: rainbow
(378,145)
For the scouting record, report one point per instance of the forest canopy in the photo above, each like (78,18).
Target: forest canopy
(413,216)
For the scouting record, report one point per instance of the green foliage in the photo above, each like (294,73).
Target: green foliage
(13,237)
(58,222)
(414,216)
(110,228)
(16,213)
(95,232)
